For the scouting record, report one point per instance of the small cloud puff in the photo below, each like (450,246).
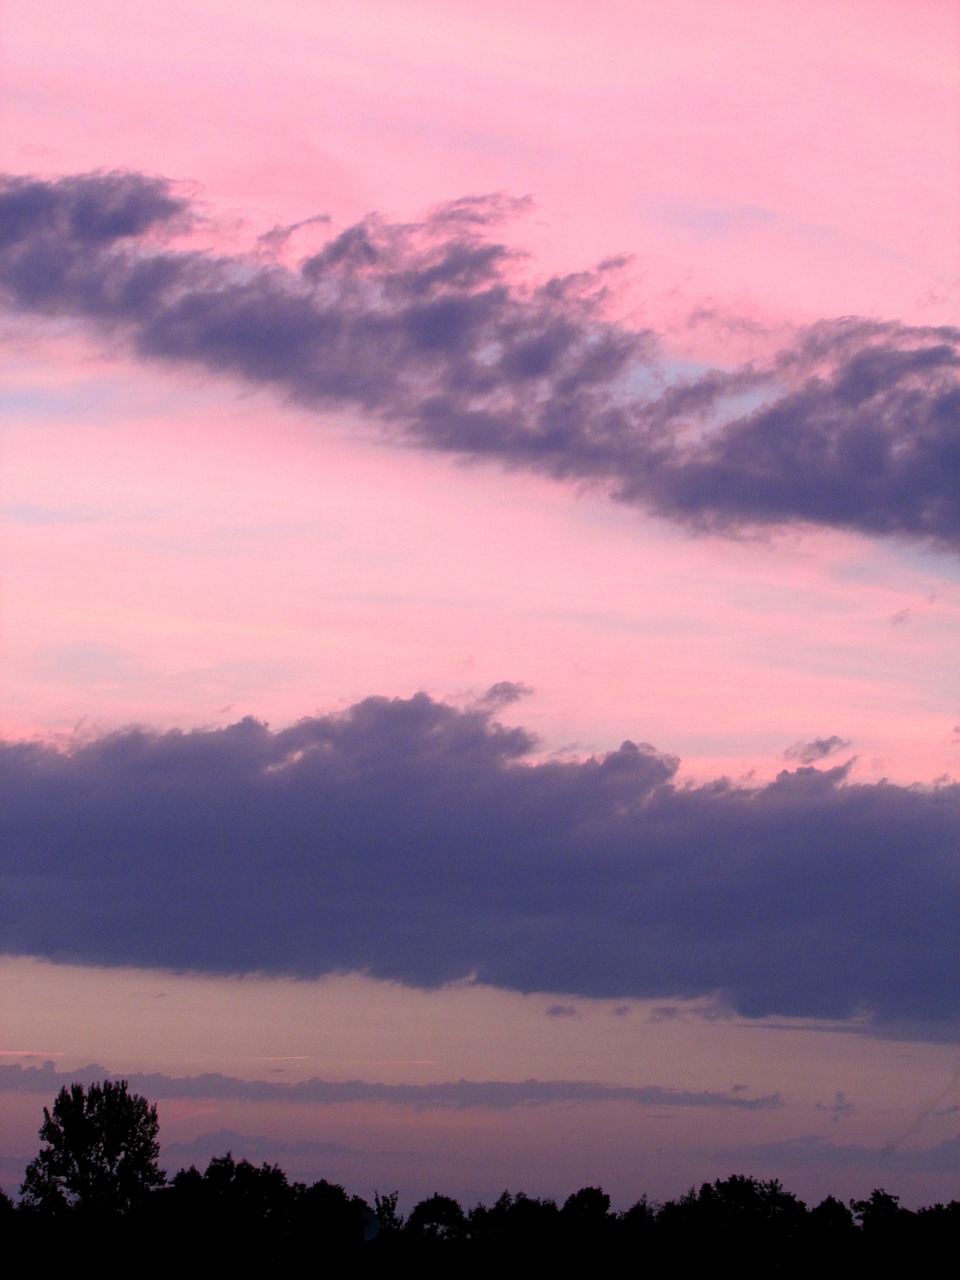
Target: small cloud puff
(817,749)
(562,1011)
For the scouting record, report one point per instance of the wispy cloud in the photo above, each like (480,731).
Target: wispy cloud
(428,328)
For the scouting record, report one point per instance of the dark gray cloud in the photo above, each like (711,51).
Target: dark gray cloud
(816,749)
(417,842)
(424,327)
(457,1095)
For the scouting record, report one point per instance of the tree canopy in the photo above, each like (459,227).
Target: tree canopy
(100,1154)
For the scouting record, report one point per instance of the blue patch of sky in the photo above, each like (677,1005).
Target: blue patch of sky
(29,513)
(88,662)
(646,383)
(712,220)
(717,220)
(34,405)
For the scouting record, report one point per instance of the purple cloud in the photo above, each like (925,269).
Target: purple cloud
(459,1095)
(417,842)
(424,327)
(817,749)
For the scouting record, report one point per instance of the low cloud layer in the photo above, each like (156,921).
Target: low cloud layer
(426,328)
(417,842)
(817,1153)
(456,1095)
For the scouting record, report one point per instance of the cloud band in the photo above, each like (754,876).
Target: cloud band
(427,328)
(425,844)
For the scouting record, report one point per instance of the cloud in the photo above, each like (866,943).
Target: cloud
(416,842)
(817,749)
(839,1108)
(457,1095)
(90,210)
(428,328)
(815,1153)
(503,693)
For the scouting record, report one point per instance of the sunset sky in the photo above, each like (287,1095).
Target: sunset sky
(480,597)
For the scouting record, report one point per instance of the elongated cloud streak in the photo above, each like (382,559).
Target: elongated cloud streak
(815,1153)
(457,1095)
(425,327)
(421,843)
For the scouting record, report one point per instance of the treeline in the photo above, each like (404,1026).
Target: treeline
(95,1191)
(240,1214)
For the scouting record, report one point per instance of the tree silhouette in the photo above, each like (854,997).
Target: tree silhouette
(585,1218)
(385,1206)
(437,1218)
(101,1152)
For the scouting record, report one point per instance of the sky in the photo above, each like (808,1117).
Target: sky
(480,587)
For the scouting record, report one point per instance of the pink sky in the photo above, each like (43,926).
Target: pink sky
(182,550)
